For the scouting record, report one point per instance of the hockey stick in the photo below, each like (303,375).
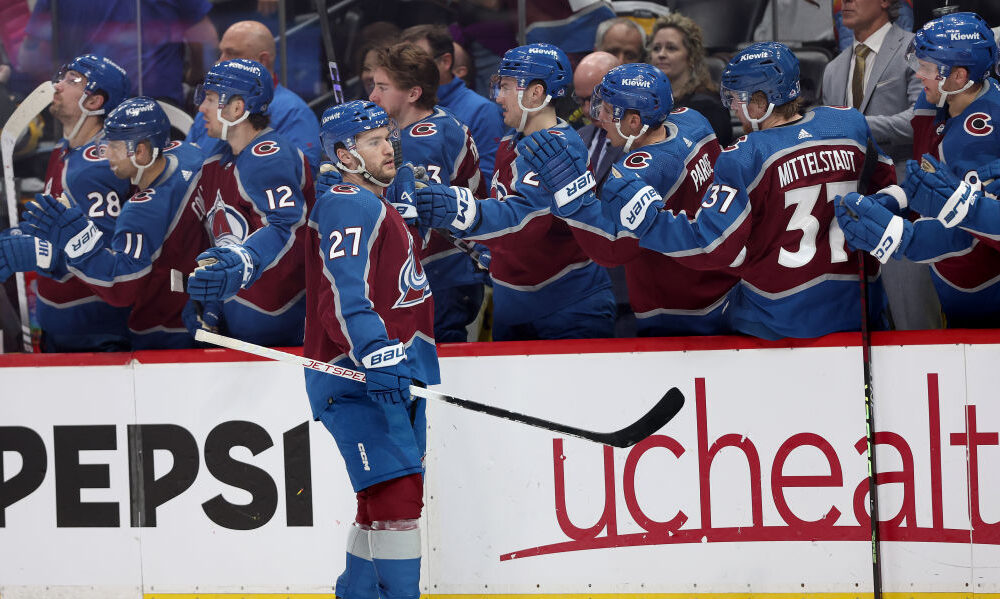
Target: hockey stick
(179,119)
(19,120)
(660,414)
(331,58)
(864,182)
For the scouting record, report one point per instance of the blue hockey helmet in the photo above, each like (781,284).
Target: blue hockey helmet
(344,122)
(640,87)
(136,120)
(768,67)
(960,39)
(103,77)
(241,77)
(538,62)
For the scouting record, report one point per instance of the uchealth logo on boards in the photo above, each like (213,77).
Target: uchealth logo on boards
(899,522)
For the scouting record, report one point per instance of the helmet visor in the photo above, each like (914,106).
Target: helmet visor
(733,96)
(68,76)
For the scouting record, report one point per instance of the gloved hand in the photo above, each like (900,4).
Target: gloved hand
(65,226)
(21,253)
(400,192)
(452,208)
(329,175)
(561,167)
(197,315)
(990,176)
(869,226)
(632,201)
(387,375)
(935,192)
(892,198)
(222,272)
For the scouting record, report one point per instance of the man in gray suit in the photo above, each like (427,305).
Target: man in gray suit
(873,77)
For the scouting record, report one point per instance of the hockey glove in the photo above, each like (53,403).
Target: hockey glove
(561,167)
(197,315)
(893,199)
(328,176)
(870,227)
(935,192)
(65,226)
(451,208)
(632,203)
(387,375)
(400,192)
(21,253)
(990,176)
(223,271)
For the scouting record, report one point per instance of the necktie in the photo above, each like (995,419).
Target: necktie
(861,52)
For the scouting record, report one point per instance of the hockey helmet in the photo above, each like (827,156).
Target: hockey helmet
(241,77)
(536,62)
(768,67)
(344,122)
(103,77)
(640,87)
(136,120)
(960,39)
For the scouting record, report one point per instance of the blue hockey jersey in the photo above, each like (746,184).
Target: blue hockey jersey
(159,229)
(965,266)
(769,214)
(668,298)
(365,288)
(72,317)
(260,198)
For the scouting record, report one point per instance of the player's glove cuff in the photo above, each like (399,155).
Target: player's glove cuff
(896,200)
(575,189)
(389,355)
(891,240)
(957,206)
(83,242)
(634,212)
(467,215)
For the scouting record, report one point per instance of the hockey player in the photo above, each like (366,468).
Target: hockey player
(544,285)
(406,82)
(953,56)
(72,317)
(370,307)
(769,211)
(673,153)
(158,228)
(256,194)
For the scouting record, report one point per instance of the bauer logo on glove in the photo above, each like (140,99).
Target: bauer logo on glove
(634,211)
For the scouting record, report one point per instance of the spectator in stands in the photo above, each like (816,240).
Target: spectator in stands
(481,116)
(676,49)
(463,67)
(872,76)
(622,37)
(108,28)
(290,116)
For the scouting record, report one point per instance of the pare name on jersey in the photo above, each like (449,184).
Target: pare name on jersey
(811,163)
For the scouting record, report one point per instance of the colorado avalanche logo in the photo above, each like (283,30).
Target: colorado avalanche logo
(735,144)
(143,196)
(423,130)
(344,189)
(680,110)
(93,154)
(225,224)
(172,145)
(978,124)
(265,148)
(637,160)
(413,287)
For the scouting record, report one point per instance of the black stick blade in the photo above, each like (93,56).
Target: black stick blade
(655,419)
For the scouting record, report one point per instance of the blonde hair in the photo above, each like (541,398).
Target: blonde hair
(700,80)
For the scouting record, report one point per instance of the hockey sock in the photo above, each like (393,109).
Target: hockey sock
(358,580)
(395,551)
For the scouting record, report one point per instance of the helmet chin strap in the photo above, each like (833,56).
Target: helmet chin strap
(525,110)
(361,170)
(227,124)
(944,94)
(755,123)
(84,113)
(142,167)
(629,139)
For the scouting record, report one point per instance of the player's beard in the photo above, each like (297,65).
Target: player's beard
(385,173)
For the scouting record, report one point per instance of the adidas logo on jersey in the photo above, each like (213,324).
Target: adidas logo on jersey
(186,174)
(803,134)
(688,142)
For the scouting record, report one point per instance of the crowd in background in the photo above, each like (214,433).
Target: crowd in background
(689,42)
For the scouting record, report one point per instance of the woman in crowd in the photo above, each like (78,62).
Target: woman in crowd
(676,49)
